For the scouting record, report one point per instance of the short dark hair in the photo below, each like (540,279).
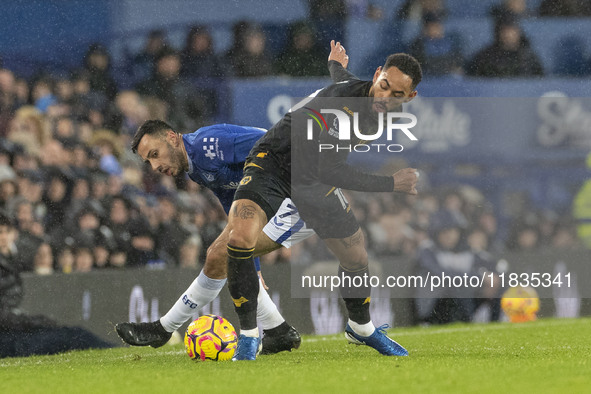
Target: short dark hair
(150,127)
(407,64)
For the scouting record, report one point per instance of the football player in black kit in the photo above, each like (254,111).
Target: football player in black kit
(313,178)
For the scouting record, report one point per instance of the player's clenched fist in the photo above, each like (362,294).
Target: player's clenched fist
(405,181)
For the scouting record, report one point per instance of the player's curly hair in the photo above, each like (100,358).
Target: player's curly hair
(407,64)
(149,127)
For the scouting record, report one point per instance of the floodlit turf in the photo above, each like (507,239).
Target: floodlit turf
(547,356)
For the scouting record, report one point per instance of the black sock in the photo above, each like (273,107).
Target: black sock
(243,284)
(355,294)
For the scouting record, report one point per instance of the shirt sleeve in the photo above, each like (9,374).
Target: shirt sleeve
(338,73)
(334,170)
(226,197)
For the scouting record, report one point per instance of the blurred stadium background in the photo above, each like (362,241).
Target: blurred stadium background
(77,78)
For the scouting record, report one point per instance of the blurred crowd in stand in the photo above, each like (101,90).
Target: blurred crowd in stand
(82,201)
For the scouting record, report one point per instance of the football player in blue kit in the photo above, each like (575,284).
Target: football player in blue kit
(214,157)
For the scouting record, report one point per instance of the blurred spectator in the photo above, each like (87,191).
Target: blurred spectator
(239,29)
(524,236)
(118,221)
(133,113)
(302,57)
(445,253)
(142,253)
(80,194)
(43,261)
(329,18)
(143,62)
(190,251)
(186,109)
(97,62)
(99,187)
(169,247)
(108,148)
(56,198)
(510,8)
(83,257)
(25,217)
(417,9)
(30,185)
(364,9)
(64,91)
(65,259)
(8,186)
(249,57)
(63,128)
(30,234)
(42,93)
(200,64)
(576,8)
(8,99)
(565,236)
(198,58)
(387,228)
(28,128)
(21,90)
(509,56)
(102,249)
(439,53)
(82,160)
(86,100)
(453,203)
(487,222)
(86,226)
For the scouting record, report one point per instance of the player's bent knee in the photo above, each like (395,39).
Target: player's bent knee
(241,240)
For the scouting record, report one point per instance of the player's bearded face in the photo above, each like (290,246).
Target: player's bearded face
(164,154)
(390,89)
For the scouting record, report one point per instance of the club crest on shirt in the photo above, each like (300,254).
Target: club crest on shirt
(245,180)
(209,176)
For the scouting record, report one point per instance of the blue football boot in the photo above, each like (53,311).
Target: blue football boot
(378,340)
(248,348)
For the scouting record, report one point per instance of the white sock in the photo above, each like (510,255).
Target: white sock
(201,292)
(364,330)
(254,333)
(268,315)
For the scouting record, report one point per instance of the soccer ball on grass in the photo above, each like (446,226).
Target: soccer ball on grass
(210,337)
(520,304)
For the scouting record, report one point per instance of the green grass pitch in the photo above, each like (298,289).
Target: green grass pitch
(547,356)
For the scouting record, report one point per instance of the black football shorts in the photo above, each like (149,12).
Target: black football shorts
(323,208)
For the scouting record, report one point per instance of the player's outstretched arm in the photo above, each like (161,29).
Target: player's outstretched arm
(337,63)
(405,181)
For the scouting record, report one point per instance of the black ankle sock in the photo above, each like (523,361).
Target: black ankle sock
(356,297)
(281,329)
(243,284)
